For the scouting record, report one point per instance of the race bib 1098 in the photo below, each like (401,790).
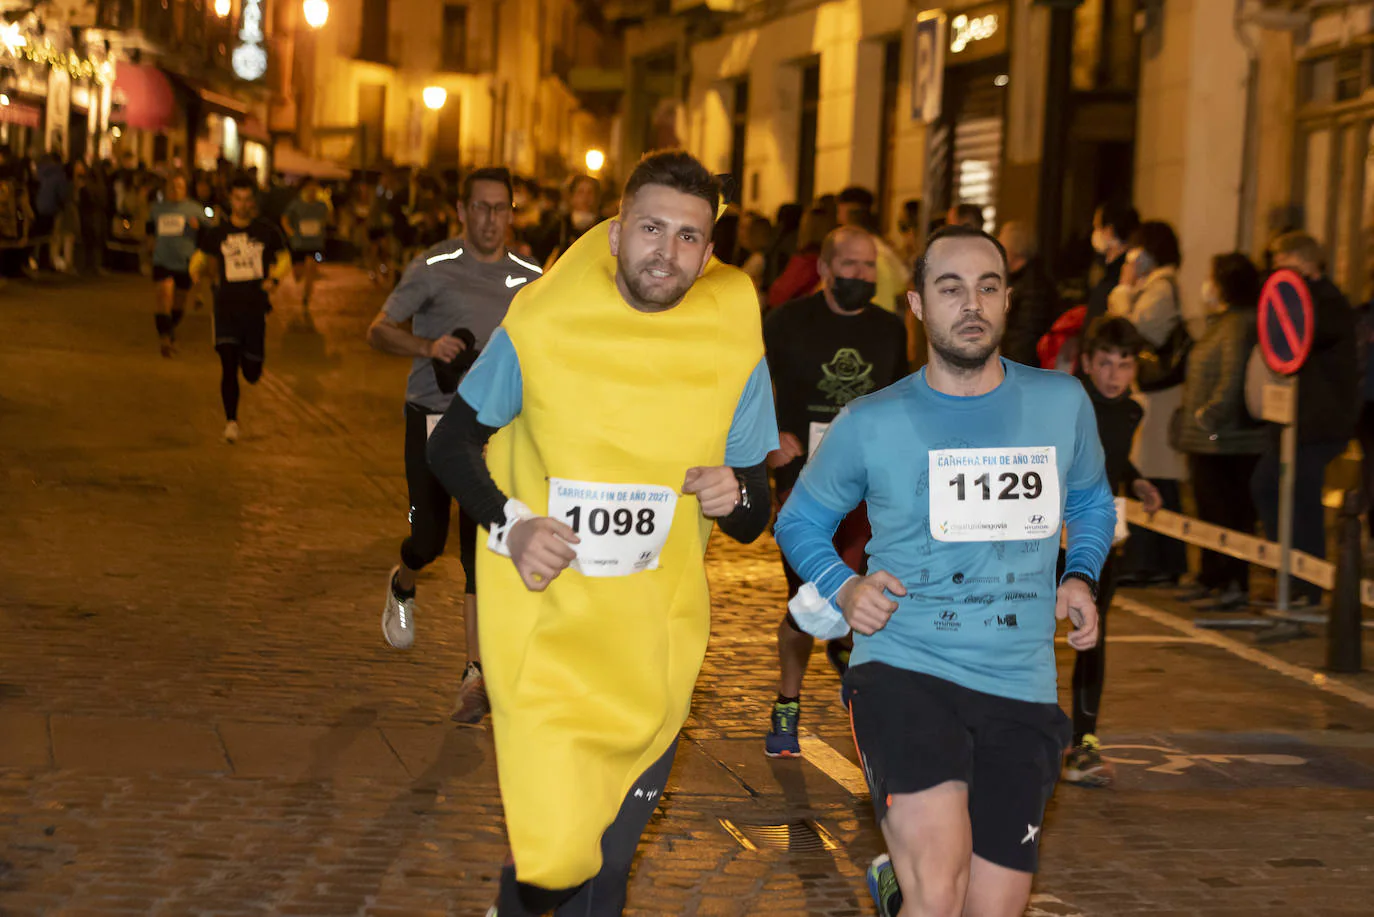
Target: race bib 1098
(994,494)
(622,527)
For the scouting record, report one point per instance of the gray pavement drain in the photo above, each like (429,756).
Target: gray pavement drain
(802,836)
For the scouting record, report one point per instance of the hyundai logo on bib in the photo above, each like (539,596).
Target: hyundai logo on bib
(1037,519)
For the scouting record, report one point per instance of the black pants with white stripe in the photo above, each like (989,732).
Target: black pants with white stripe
(430,505)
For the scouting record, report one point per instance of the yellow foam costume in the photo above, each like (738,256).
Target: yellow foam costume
(590,681)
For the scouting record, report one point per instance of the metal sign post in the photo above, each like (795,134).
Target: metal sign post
(1286,329)
(1288,457)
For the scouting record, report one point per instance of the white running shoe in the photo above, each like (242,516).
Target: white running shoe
(398,617)
(231,432)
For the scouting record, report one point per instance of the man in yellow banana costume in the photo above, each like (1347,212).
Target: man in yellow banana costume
(627,408)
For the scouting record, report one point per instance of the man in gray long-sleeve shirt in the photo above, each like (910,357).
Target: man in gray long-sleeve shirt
(454,295)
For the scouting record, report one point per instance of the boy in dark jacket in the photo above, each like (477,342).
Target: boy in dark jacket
(1108,369)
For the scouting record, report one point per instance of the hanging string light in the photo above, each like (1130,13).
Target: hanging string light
(44,52)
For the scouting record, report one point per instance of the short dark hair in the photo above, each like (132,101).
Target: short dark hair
(953,231)
(856,194)
(968,212)
(241,182)
(1121,217)
(1300,244)
(679,170)
(1237,279)
(488,173)
(1159,242)
(1116,335)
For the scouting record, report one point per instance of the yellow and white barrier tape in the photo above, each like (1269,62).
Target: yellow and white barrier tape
(1236,544)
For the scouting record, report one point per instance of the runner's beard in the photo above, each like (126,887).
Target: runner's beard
(663,295)
(964,355)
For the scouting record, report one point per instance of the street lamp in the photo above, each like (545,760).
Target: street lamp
(595,160)
(435,97)
(316,13)
(222,8)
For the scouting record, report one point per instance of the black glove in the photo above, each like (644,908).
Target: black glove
(448,375)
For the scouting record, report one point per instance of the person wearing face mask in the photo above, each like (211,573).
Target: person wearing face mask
(581,214)
(824,350)
(1148,297)
(1213,429)
(1113,224)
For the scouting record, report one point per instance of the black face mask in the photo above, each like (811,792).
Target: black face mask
(852,294)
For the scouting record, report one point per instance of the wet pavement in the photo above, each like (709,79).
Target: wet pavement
(198,714)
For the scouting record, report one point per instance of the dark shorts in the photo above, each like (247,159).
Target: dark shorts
(376,234)
(244,329)
(180,279)
(300,257)
(915,731)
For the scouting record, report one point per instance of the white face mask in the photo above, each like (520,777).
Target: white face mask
(1211,298)
(1102,241)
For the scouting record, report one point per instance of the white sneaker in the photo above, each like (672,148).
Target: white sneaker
(231,432)
(398,617)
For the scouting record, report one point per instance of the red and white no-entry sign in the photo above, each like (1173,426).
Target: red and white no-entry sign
(1286,323)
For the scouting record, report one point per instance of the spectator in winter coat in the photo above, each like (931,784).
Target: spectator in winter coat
(1034,301)
(1148,297)
(1113,225)
(1328,406)
(1213,429)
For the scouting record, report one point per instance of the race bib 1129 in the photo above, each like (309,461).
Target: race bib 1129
(622,527)
(994,494)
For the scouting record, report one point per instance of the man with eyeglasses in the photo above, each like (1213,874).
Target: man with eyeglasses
(452,296)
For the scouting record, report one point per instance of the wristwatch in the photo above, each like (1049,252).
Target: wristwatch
(743,492)
(1074,574)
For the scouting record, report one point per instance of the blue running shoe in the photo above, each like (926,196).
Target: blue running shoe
(882,885)
(781,741)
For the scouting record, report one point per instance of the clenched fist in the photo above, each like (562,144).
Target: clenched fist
(717,489)
(541,548)
(864,602)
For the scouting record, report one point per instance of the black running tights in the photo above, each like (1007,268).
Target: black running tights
(603,895)
(231,363)
(1090,666)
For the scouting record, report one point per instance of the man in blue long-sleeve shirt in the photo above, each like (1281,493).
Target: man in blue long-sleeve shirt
(970,469)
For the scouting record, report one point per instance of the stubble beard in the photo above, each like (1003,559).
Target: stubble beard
(965,360)
(645,298)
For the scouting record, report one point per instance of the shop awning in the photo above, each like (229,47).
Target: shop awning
(145,96)
(290,161)
(20,114)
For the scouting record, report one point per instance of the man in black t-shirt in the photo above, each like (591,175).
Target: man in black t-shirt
(250,258)
(824,350)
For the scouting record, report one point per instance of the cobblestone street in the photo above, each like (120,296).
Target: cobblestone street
(199,715)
